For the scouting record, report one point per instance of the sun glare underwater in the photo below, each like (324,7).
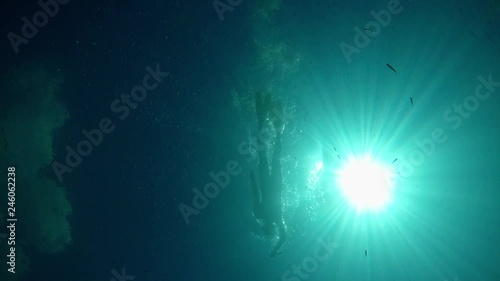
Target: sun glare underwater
(365,183)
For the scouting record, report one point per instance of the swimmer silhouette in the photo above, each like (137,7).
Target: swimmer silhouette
(267,188)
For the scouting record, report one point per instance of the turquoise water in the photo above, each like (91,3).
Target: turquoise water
(162,187)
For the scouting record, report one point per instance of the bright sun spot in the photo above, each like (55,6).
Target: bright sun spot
(365,183)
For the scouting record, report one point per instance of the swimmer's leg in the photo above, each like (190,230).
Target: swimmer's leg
(276,164)
(277,115)
(261,107)
(257,202)
(281,240)
(277,178)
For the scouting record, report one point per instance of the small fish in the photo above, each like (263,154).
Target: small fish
(369,29)
(366,253)
(411,100)
(395,160)
(390,66)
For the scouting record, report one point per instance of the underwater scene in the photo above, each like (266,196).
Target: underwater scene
(250,140)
